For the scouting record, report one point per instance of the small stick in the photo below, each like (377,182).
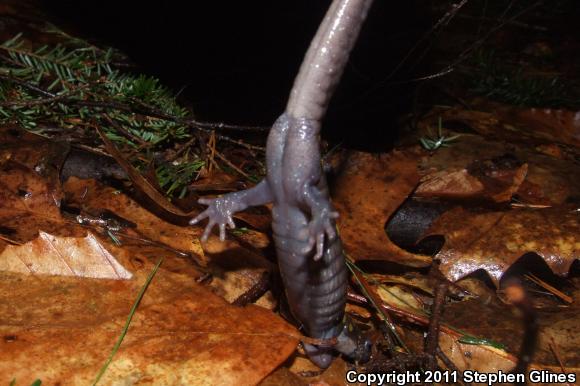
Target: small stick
(432,340)
(255,292)
(518,296)
(556,353)
(127,134)
(231,165)
(450,365)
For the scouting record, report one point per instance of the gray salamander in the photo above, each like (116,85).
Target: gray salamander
(310,255)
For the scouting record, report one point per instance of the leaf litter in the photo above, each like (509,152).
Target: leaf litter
(509,179)
(59,322)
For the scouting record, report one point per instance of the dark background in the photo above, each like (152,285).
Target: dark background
(235,61)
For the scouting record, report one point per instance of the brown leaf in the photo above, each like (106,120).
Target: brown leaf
(61,330)
(487,182)
(148,192)
(235,268)
(66,256)
(367,193)
(449,183)
(514,124)
(499,168)
(21,189)
(557,125)
(493,241)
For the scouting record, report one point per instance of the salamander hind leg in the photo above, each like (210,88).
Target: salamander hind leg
(352,343)
(321,356)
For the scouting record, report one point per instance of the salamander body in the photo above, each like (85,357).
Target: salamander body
(310,255)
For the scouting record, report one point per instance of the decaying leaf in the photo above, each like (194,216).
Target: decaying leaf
(61,330)
(235,268)
(453,183)
(517,124)
(545,180)
(491,341)
(485,167)
(66,256)
(493,241)
(481,182)
(367,193)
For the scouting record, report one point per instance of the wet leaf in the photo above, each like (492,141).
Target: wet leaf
(516,124)
(367,192)
(487,167)
(61,330)
(487,182)
(493,241)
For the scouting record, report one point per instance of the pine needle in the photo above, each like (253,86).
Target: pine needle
(128,322)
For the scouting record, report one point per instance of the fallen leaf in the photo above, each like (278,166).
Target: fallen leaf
(21,189)
(513,124)
(483,168)
(66,256)
(449,183)
(61,330)
(493,241)
(366,193)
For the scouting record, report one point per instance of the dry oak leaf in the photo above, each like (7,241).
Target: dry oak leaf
(66,256)
(493,241)
(367,192)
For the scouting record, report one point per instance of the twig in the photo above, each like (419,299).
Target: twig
(449,364)
(255,292)
(554,291)
(509,22)
(237,142)
(126,133)
(150,110)
(143,110)
(182,149)
(34,102)
(10,241)
(520,299)
(231,165)
(27,85)
(432,340)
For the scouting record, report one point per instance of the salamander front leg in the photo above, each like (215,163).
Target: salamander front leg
(220,210)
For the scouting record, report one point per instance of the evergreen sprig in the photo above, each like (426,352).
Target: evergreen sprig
(75,85)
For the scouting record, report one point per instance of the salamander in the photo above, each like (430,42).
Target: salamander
(310,255)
